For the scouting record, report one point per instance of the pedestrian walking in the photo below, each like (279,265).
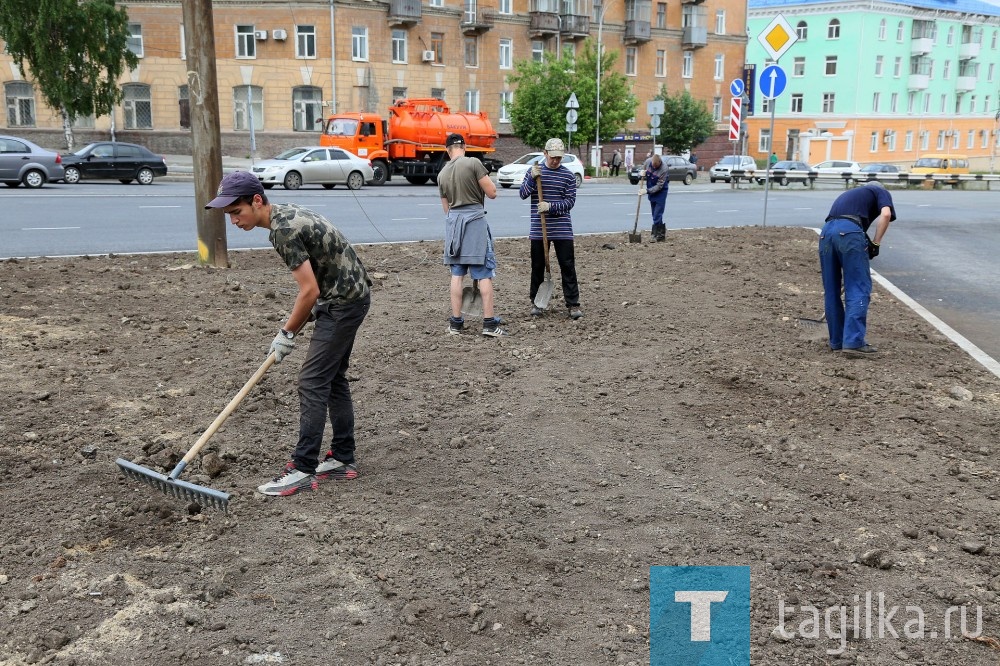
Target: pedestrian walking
(333,287)
(559,197)
(845,251)
(464,183)
(616,162)
(655,184)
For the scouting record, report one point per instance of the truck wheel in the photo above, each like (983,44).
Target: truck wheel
(381,170)
(417,180)
(355,180)
(293,180)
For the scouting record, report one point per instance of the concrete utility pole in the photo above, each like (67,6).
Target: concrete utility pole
(206,140)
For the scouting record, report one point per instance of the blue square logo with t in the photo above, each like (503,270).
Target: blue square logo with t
(699,616)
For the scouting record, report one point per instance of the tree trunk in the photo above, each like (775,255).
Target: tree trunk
(67,128)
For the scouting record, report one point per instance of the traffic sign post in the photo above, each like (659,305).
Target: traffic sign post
(571,117)
(655,109)
(772,81)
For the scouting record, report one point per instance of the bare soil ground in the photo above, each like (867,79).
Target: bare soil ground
(514,492)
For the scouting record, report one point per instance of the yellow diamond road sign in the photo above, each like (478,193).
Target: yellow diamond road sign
(777,37)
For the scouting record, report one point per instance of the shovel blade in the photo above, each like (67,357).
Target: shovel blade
(472,303)
(544,293)
(635,238)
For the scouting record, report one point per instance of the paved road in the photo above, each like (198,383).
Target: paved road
(942,251)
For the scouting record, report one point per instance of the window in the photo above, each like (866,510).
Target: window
(137,105)
(894,103)
(435,3)
(944,103)
(538,50)
(764,141)
(833,29)
(989,73)
(661,63)
(993,45)
(506,101)
(472,101)
(876,100)
(506,53)
(873,142)
(399,46)
(828,102)
(984,138)
(796,103)
(900,31)
(134,41)
(184,106)
(765,104)
(630,56)
(437,93)
(720,66)
(248,105)
(398,93)
(661,15)
(799,66)
(831,65)
(720,22)
(940,140)
(881,30)
(717,109)
(20,104)
(305,41)
(908,143)
(472,51)
(183,44)
(897,67)
(986,104)
(687,65)
(878,65)
(950,38)
(927,102)
(892,142)
(972,104)
(246,47)
(925,140)
(437,45)
(359,42)
(801,30)
(506,6)
(911,98)
(970,139)
(307,108)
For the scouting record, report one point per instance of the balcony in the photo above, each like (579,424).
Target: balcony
(575,27)
(404,12)
(918,82)
(964,84)
(694,37)
(692,2)
(478,22)
(636,32)
(543,24)
(968,50)
(921,46)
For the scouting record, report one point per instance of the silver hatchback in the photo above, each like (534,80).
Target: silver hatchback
(21,161)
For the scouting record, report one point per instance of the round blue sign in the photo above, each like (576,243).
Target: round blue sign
(773,81)
(737,87)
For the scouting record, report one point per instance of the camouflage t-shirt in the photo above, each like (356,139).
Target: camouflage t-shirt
(299,234)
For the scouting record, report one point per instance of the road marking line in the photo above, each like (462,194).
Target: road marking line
(47,228)
(159,206)
(404,219)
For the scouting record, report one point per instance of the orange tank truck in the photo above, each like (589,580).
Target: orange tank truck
(411,142)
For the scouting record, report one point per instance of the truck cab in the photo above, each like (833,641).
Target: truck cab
(363,134)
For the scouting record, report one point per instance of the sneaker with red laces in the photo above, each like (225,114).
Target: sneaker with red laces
(289,482)
(331,468)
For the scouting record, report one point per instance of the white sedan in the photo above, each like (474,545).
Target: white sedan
(513,174)
(836,167)
(314,165)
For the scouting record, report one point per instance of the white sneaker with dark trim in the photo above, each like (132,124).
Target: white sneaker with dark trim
(289,482)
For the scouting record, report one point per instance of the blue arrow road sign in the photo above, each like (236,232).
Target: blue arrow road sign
(773,81)
(736,87)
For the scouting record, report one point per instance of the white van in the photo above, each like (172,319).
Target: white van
(722,169)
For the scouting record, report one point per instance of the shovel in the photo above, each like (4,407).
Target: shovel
(544,292)
(636,235)
(171,485)
(472,301)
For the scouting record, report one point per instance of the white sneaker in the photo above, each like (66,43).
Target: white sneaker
(289,482)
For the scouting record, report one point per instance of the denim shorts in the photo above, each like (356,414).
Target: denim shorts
(485,271)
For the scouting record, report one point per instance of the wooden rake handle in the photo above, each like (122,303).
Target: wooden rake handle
(541,216)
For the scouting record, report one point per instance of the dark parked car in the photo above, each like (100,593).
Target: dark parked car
(23,162)
(114,159)
(788,165)
(679,169)
(880,169)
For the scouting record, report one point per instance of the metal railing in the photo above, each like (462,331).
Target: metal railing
(852,179)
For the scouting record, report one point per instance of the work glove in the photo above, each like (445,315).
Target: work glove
(642,191)
(536,171)
(282,345)
(543,206)
(873,248)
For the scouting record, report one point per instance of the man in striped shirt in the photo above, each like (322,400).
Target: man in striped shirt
(557,200)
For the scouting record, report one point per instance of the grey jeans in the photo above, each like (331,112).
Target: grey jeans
(323,385)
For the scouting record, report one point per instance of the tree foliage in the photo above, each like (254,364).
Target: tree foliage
(686,121)
(542,89)
(74,50)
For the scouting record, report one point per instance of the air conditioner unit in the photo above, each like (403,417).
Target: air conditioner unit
(885,139)
(260,35)
(427,56)
(949,133)
(279,35)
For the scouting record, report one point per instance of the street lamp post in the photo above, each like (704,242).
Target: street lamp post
(600,30)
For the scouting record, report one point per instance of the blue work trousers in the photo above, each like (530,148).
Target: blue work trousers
(658,203)
(843,259)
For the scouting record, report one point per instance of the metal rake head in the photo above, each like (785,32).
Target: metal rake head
(207,497)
